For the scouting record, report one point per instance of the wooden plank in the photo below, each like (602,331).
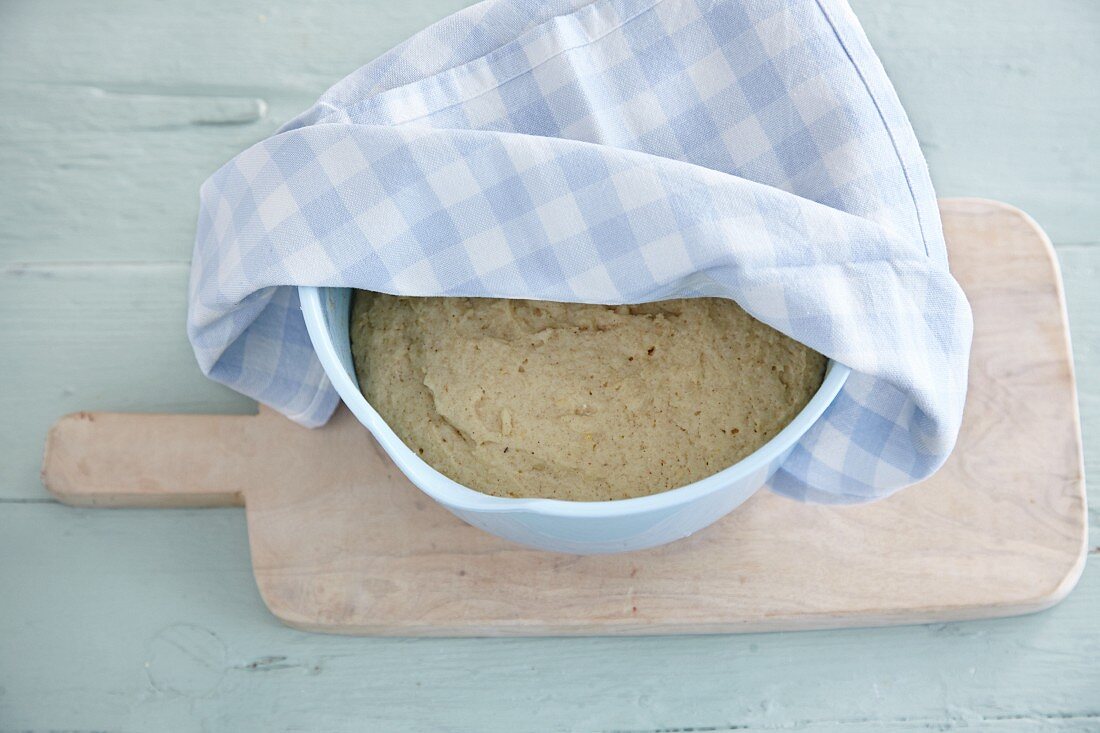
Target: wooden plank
(209,45)
(88,337)
(1004,98)
(112,138)
(1081,271)
(107,150)
(146,620)
(68,328)
(61,325)
(114,175)
(342,542)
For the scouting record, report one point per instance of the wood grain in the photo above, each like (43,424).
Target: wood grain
(342,542)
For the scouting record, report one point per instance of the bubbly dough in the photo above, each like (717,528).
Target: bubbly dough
(579,402)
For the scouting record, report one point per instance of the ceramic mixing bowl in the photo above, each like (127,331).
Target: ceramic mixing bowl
(550,524)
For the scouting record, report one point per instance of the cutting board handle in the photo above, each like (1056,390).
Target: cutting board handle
(115,459)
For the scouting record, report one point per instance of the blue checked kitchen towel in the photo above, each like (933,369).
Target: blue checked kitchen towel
(612,151)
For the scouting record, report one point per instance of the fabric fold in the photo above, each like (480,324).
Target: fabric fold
(624,151)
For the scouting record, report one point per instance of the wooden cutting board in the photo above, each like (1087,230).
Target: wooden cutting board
(342,543)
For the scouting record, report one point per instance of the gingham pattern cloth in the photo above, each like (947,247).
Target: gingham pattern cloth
(612,151)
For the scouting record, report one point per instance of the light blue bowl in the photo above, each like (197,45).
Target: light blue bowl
(576,527)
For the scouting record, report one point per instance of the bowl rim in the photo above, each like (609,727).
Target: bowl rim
(462,498)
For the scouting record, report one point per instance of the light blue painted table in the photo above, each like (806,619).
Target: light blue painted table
(112,113)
